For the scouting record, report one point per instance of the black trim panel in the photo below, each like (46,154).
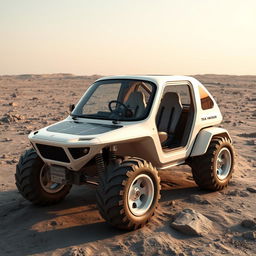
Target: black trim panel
(52,153)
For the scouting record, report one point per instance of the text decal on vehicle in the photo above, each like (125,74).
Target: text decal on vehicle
(204,118)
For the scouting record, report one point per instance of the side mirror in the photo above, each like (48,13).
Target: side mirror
(71,107)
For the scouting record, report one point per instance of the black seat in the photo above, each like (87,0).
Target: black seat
(136,102)
(168,116)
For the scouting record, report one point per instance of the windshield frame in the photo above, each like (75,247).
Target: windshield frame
(89,92)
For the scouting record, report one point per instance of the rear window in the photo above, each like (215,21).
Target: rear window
(182,90)
(206,101)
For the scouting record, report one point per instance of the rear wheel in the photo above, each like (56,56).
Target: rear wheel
(128,195)
(214,169)
(34,183)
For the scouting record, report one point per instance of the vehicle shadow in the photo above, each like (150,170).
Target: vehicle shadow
(26,229)
(178,183)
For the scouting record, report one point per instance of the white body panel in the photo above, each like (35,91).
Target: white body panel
(137,138)
(204,138)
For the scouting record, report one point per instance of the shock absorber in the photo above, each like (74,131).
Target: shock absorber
(113,150)
(100,164)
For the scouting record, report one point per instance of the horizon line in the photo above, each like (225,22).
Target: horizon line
(102,75)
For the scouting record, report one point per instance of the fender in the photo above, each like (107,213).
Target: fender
(204,138)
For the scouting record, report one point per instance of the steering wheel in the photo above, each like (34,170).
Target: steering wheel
(127,110)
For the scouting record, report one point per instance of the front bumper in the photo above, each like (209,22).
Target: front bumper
(71,153)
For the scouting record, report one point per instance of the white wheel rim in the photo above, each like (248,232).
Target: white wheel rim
(140,195)
(223,162)
(46,183)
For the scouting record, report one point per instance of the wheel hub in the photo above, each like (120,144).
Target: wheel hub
(140,195)
(46,183)
(223,163)
(136,193)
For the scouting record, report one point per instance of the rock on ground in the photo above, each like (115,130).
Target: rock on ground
(191,222)
(248,223)
(251,189)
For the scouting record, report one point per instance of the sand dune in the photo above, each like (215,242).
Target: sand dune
(74,227)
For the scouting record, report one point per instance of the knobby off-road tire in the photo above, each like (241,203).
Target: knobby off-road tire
(29,181)
(213,170)
(127,196)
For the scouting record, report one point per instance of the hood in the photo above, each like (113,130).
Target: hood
(81,128)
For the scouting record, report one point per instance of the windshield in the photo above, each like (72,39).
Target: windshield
(122,100)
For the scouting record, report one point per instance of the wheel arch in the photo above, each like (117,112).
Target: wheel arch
(204,138)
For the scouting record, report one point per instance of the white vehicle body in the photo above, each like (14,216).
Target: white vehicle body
(134,138)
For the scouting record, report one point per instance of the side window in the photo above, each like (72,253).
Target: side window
(182,90)
(206,101)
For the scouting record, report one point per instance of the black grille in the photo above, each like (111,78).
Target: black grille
(53,153)
(78,152)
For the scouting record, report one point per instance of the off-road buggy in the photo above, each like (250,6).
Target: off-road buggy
(121,132)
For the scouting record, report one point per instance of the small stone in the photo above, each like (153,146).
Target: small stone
(198,199)
(13,104)
(77,252)
(7,139)
(251,189)
(237,192)
(55,118)
(232,183)
(9,162)
(14,95)
(251,235)
(53,223)
(248,223)
(11,118)
(172,203)
(243,194)
(229,210)
(233,193)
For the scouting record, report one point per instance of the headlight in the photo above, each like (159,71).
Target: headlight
(78,152)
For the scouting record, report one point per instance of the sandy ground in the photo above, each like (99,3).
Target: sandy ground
(74,227)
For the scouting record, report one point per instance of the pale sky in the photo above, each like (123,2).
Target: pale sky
(128,37)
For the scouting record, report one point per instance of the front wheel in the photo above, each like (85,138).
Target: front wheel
(34,183)
(128,195)
(214,169)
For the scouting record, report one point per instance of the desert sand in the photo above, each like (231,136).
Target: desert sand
(74,227)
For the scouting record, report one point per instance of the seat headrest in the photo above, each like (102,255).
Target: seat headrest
(136,97)
(171,96)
